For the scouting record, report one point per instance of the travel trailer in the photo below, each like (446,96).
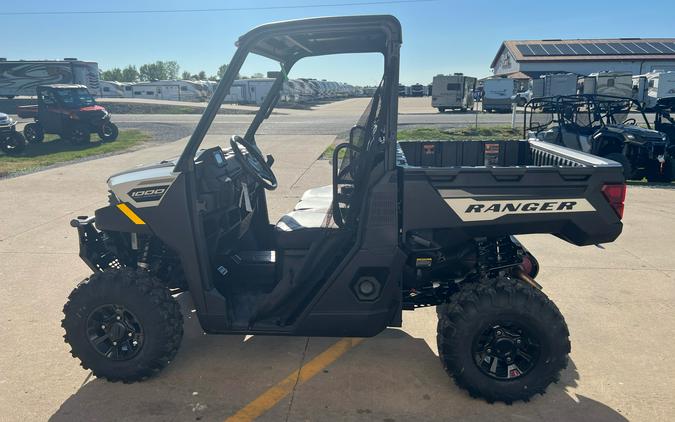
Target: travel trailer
(24,76)
(651,87)
(114,89)
(616,84)
(552,85)
(452,92)
(175,90)
(497,94)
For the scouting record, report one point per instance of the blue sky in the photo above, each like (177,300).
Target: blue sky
(442,36)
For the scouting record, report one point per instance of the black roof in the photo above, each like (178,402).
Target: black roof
(294,39)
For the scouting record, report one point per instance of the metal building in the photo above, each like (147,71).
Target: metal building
(533,58)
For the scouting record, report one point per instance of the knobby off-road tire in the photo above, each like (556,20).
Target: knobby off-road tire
(514,307)
(127,306)
(13,144)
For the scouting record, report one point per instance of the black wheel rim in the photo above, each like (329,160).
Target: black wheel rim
(114,332)
(506,350)
(107,131)
(79,135)
(30,133)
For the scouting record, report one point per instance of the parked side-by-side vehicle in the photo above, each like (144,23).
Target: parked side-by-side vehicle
(615,128)
(69,111)
(401,226)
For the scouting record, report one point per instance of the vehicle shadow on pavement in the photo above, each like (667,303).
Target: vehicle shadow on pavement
(392,377)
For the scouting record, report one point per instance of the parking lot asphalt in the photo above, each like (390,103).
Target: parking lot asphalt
(617,299)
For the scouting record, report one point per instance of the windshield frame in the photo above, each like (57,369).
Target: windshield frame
(253,39)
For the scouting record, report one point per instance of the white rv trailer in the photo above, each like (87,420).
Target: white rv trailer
(497,94)
(653,86)
(173,90)
(452,92)
(617,84)
(114,89)
(23,77)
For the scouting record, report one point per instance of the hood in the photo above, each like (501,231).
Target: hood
(129,186)
(638,132)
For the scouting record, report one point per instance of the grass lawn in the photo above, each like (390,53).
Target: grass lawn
(487,133)
(55,150)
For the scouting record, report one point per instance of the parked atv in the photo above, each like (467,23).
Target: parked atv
(68,111)
(12,141)
(605,126)
(426,224)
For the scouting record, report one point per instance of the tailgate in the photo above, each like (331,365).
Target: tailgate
(560,191)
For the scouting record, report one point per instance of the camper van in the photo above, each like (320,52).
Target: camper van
(497,94)
(653,86)
(23,77)
(452,92)
(617,84)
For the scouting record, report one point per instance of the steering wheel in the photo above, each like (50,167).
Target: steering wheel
(630,121)
(253,162)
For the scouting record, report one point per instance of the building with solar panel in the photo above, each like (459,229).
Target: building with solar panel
(533,58)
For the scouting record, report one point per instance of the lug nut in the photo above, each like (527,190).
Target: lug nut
(518,341)
(118,317)
(114,343)
(489,350)
(129,334)
(102,327)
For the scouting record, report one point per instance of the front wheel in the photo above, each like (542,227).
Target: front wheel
(13,144)
(502,340)
(108,131)
(123,325)
(34,133)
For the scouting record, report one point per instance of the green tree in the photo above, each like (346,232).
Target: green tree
(129,74)
(186,75)
(221,71)
(159,70)
(114,74)
(201,75)
(257,75)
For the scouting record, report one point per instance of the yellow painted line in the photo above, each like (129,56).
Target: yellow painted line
(274,395)
(129,213)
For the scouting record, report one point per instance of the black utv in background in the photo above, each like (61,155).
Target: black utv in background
(68,111)
(400,227)
(605,126)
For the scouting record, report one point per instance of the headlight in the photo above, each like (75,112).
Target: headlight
(630,136)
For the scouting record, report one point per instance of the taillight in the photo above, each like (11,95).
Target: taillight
(616,196)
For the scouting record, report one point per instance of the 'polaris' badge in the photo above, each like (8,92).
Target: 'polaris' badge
(147,194)
(469,209)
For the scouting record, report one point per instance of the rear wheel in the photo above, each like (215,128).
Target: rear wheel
(625,163)
(34,133)
(123,325)
(13,144)
(79,134)
(502,340)
(108,131)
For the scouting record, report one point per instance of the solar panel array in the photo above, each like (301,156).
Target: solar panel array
(614,48)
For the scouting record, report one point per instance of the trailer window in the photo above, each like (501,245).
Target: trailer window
(453,87)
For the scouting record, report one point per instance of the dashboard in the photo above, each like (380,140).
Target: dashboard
(222,187)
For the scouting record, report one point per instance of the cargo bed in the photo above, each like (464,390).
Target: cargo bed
(499,188)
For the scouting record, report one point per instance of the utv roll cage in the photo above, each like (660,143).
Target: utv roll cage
(289,41)
(583,111)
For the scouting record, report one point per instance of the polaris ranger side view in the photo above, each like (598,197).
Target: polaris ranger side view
(392,232)
(69,111)
(602,125)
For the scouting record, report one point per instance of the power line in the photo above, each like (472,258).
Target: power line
(227,9)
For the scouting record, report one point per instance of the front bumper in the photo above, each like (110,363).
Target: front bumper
(93,250)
